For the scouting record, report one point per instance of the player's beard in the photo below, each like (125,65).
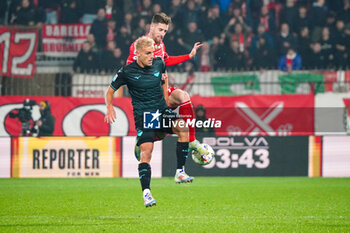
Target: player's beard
(160,39)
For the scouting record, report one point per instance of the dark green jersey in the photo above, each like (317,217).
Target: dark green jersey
(144,86)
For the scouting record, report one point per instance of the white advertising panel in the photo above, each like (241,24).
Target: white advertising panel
(130,163)
(5,157)
(336,156)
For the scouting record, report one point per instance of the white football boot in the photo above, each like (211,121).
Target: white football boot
(182,177)
(147,197)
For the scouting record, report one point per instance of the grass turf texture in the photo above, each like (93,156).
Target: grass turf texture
(206,205)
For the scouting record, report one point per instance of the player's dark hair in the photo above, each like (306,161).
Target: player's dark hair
(161,18)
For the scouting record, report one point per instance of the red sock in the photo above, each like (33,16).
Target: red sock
(186,112)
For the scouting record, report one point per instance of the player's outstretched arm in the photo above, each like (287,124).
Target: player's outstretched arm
(174,60)
(110,116)
(196,46)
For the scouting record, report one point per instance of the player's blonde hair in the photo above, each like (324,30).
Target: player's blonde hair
(143,42)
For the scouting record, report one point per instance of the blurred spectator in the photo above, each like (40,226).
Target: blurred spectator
(201,115)
(301,20)
(214,55)
(69,12)
(88,9)
(304,46)
(344,13)
(114,12)
(255,41)
(111,58)
(264,57)
(46,122)
(99,28)
(267,18)
(317,60)
(174,11)
(212,23)
(118,59)
(124,41)
(128,6)
(318,14)
(191,36)
(285,40)
(327,48)
(164,5)
(202,7)
(237,14)
(111,30)
(231,57)
(128,23)
(291,61)
(171,41)
(145,9)
(156,9)
(241,34)
(244,8)
(51,8)
(190,13)
(86,60)
(93,46)
(289,14)
(330,22)
(205,58)
(140,30)
(25,14)
(341,51)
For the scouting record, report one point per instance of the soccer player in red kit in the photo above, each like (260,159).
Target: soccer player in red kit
(174,97)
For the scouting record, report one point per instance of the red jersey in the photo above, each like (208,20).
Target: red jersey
(159,51)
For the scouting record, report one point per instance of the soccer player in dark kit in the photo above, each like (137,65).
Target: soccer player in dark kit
(144,80)
(175,98)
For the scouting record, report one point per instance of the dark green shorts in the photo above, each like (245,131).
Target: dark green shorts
(151,135)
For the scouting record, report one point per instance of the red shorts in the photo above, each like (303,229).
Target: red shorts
(170,90)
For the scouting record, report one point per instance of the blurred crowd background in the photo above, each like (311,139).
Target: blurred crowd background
(237,34)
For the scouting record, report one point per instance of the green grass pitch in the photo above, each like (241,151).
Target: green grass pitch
(227,204)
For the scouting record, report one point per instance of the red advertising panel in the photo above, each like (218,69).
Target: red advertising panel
(260,115)
(64,39)
(240,116)
(73,116)
(17,52)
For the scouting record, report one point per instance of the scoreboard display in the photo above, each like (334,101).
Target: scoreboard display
(245,156)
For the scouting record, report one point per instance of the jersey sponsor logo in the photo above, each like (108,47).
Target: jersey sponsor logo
(156,74)
(151,120)
(137,77)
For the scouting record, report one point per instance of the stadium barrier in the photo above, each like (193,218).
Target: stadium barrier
(67,157)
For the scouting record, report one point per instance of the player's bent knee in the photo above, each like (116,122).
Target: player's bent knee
(178,97)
